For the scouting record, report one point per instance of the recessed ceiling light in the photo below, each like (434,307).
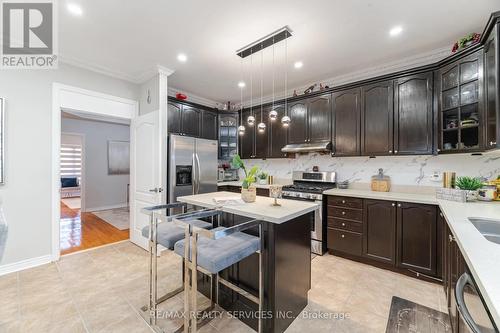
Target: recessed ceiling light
(241,84)
(298,64)
(396,30)
(75,9)
(182,57)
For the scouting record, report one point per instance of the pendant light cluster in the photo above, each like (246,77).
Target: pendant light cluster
(272,39)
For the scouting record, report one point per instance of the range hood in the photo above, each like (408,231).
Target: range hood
(325,146)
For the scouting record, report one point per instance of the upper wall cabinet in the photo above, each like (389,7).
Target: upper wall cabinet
(491,77)
(278,134)
(311,120)
(297,130)
(319,118)
(377,115)
(461,105)
(346,123)
(191,121)
(209,125)
(413,123)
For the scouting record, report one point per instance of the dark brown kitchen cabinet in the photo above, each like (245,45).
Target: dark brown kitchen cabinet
(417,237)
(379,236)
(461,124)
(278,134)
(346,122)
(491,78)
(377,114)
(413,114)
(209,125)
(297,130)
(191,121)
(247,141)
(262,138)
(174,118)
(319,118)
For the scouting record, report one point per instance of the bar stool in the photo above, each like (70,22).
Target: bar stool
(167,234)
(210,252)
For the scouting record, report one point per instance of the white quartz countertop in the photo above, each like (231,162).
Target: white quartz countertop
(395,196)
(257,185)
(260,209)
(482,256)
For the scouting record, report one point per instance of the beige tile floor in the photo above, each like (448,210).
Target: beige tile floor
(101,291)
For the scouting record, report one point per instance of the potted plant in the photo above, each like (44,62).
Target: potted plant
(248,192)
(262,176)
(470,185)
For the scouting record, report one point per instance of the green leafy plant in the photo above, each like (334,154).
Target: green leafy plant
(262,175)
(250,176)
(469,183)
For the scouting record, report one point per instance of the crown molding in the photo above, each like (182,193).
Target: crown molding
(194,98)
(414,61)
(98,69)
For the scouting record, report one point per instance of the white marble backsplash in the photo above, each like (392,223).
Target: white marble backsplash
(403,170)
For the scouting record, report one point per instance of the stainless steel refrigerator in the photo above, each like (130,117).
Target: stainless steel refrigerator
(192,166)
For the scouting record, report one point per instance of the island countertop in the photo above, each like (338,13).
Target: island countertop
(260,209)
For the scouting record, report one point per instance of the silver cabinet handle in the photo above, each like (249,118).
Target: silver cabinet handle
(390,151)
(493,143)
(343,213)
(156,190)
(343,201)
(343,224)
(399,205)
(464,280)
(343,236)
(193,174)
(450,238)
(198,173)
(393,204)
(395,152)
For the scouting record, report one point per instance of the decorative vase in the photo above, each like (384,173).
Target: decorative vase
(472,195)
(262,181)
(249,194)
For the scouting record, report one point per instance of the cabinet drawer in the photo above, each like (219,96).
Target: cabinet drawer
(345,224)
(345,241)
(346,213)
(345,202)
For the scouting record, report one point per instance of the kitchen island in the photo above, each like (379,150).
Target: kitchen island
(287,259)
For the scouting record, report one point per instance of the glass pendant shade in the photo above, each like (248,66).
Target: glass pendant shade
(261,127)
(285,121)
(241,130)
(251,120)
(273,115)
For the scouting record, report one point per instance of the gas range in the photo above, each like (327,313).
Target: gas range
(309,185)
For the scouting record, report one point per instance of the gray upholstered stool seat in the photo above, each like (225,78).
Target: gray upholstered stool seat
(169,233)
(216,255)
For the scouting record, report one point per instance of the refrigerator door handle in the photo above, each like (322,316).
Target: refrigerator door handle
(194,174)
(198,172)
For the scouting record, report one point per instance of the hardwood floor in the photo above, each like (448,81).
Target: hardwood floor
(84,231)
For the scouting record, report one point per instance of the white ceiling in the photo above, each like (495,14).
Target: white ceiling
(331,37)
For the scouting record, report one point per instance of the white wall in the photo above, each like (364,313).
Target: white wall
(26,195)
(403,170)
(102,191)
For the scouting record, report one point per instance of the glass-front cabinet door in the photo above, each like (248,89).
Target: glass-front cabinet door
(228,136)
(460,105)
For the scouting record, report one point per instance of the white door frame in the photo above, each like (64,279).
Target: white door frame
(87,101)
(82,180)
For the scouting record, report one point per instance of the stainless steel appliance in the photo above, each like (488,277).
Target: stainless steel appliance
(473,314)
(309,186)
(192,166)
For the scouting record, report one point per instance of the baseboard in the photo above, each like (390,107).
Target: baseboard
(25,264)
(95,209)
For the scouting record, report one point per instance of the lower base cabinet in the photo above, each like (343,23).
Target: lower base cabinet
(397,235)
(237,189)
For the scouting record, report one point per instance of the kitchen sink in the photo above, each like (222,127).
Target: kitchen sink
(489,228)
